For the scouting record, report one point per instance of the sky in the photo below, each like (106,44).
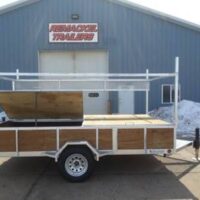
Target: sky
(184,9)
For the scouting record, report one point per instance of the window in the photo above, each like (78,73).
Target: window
(168,94)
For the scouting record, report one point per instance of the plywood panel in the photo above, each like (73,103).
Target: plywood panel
(130,139)
(42,105)
(7,141)
(121,120)
(160,138)
(60,105)
(37,140)
(18,104)
(105,139)
(78,135)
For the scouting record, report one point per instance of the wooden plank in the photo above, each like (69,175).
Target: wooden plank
(160,138)
(121,120)
(7,141)
(116,117)
(70,135)
(130,139)
(105,139)
(37,140)
(42,105)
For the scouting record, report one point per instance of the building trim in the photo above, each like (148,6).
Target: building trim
(157,14)
(13,6)
(125,3)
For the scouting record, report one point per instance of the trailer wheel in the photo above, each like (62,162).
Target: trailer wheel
(76,164)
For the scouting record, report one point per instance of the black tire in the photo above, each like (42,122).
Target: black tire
(83,157)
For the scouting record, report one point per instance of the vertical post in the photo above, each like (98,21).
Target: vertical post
(176,90)
(145,140)
(115,139)
(57,139)
(59,85)
(17,78)
(176,86)
(97,138)
(147,93)
(17,142)
(17,74)
(13,85)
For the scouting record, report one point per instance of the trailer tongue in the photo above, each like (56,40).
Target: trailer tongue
(180,144)
(47,119)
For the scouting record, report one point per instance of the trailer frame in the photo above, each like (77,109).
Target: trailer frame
(24,82)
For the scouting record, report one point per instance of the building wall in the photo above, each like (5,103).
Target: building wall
(135,41)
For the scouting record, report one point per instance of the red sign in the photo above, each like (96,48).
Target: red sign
(73,32)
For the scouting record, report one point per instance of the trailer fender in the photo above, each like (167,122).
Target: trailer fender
(77,143)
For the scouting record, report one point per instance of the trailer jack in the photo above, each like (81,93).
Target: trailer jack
(196,144)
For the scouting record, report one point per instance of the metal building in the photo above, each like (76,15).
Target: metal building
(101,36)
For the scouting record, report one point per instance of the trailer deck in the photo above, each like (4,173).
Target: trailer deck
(122,120)
(111,134)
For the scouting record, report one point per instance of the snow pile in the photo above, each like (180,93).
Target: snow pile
(188,114)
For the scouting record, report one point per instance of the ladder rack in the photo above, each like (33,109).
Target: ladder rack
(81,82)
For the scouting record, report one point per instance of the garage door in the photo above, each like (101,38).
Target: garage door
(79,62)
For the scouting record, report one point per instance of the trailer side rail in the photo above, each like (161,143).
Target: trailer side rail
(56,132)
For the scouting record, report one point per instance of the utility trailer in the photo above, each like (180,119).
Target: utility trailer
(46,119)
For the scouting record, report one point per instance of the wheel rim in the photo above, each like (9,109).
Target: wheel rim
(76,165)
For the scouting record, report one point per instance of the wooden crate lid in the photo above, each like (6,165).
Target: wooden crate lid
(42,105)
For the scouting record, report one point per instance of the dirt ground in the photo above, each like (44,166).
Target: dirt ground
(115,178)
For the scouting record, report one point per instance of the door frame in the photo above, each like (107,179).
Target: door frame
(133,101)
(71,50)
